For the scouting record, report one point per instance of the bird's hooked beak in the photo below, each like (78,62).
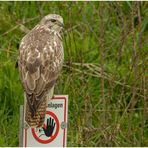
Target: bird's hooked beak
(60,24)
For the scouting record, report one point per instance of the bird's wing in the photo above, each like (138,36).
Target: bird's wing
(41,59)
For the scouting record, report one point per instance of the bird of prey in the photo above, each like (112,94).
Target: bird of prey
(40,61)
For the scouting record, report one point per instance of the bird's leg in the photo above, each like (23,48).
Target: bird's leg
(50,95)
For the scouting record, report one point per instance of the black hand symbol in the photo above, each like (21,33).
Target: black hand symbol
(49,127)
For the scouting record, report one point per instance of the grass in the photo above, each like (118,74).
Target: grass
(105,72)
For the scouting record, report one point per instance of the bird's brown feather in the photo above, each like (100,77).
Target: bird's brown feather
(41,59)
(39,117)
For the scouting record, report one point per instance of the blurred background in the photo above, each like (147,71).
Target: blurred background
(105,72)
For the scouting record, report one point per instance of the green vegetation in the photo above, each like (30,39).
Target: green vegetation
(105,72)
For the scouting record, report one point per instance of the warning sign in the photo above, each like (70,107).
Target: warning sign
(49,131)
(54,130)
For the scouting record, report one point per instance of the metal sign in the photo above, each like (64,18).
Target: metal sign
(53,133)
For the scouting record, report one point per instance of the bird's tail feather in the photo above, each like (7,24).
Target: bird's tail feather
(38,119)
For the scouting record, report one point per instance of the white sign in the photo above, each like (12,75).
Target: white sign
(53,133)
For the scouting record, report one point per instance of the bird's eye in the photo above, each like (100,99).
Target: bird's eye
(53,20)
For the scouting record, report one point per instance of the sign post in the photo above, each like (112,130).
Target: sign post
(53,133)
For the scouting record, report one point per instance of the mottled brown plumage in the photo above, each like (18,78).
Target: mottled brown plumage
(40,61)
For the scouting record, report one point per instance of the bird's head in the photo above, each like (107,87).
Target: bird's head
(53,21)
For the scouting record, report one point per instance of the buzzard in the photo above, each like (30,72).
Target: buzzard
(40,61)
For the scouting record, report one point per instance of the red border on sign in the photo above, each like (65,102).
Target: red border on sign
(52,137)
(64,131)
